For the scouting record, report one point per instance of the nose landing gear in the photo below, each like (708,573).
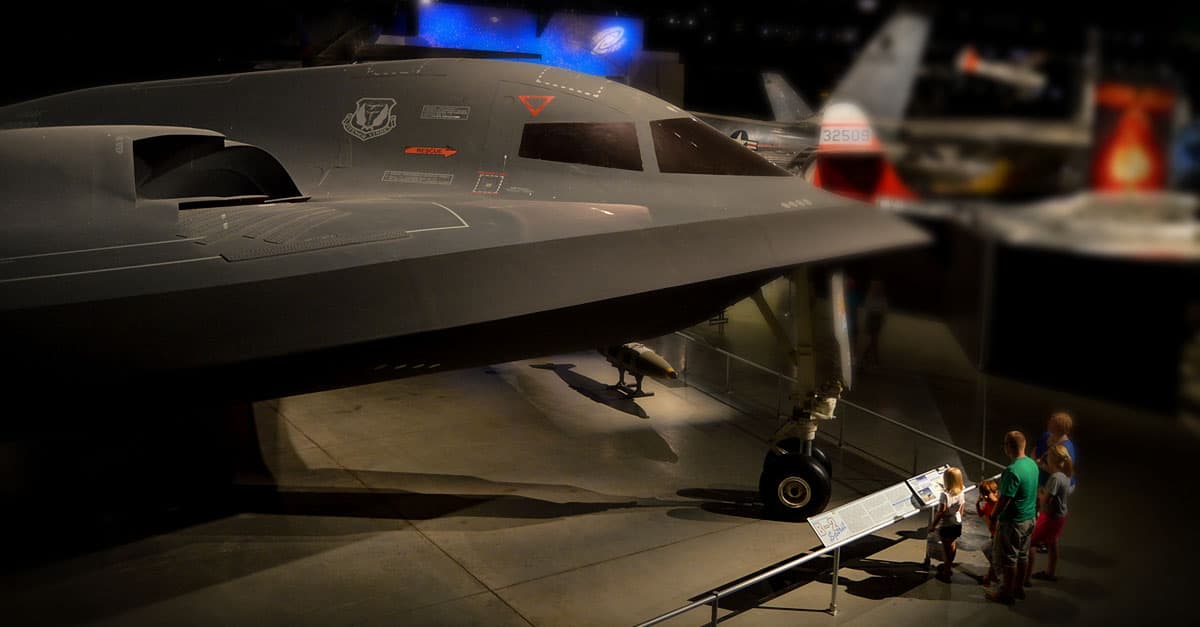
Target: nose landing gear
(796,476)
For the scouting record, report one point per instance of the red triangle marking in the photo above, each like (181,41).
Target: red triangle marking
(535,109)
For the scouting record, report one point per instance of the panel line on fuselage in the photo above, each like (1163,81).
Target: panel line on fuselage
(464,224)
(98,270)
(100,248)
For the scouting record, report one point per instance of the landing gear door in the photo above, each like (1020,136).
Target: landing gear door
(841,326)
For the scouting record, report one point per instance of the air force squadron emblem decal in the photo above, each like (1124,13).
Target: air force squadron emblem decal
(372,118)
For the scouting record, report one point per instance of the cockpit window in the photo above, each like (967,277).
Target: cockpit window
(608,144)
(689,146)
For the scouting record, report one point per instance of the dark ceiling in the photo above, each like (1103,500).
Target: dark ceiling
(51,47)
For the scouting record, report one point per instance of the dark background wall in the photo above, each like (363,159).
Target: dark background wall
(50,47)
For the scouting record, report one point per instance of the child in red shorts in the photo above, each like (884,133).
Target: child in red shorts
(1052,510)
(985,506)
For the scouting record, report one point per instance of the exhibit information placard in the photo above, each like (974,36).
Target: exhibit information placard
(862,515)
(928,486)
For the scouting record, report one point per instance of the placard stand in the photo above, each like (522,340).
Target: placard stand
(845,524)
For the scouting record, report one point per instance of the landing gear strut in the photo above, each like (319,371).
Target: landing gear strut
(796,476)
(791,446)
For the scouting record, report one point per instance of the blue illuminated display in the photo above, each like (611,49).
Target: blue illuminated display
(478,28)
(598,45)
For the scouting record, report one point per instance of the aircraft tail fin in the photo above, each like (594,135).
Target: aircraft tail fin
(1131,136)
(786,104)
(852,162)
(1085,112)
(881,80)
(1131,125)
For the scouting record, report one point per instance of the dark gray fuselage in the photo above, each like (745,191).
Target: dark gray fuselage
(427,242)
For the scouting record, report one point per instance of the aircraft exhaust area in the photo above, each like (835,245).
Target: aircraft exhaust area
(529,493)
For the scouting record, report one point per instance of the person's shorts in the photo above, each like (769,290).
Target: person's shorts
(1012,542)
(950,532)
(1048,529)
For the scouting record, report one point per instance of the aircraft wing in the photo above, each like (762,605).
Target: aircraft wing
(231,282)
(1150,227)
(547,212)
(1066,134)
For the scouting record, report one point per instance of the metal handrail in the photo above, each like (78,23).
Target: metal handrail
(714,597)
(691,338)
(916,431)
(878,415)
(717,594)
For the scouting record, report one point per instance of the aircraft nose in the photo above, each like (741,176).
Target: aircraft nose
(671,374)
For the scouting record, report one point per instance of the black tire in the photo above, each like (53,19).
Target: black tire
(821,457)
(793,487)
(795,445)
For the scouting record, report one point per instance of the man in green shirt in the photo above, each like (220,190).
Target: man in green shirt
(1015,513)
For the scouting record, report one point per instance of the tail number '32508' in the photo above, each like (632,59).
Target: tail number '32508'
(851,135)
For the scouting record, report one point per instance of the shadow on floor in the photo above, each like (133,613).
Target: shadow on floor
(886,579)
(738,503)
(595,390)
(501,502)
(818,569)
(1084,557)
(267,526)
(46,539)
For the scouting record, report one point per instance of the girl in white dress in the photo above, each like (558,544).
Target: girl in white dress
(948,519)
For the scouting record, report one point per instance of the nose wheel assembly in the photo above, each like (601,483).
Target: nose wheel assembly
(796,475)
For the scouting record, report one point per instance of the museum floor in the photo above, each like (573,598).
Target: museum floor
(528,494)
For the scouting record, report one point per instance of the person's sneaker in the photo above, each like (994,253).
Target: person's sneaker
(999,597)
(1044,576)
(1041,548)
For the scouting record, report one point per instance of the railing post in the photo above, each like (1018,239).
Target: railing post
(715,604)
(981,410)
(837,562)
(842,430)
(779,386)
(728,367)
(686,342)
